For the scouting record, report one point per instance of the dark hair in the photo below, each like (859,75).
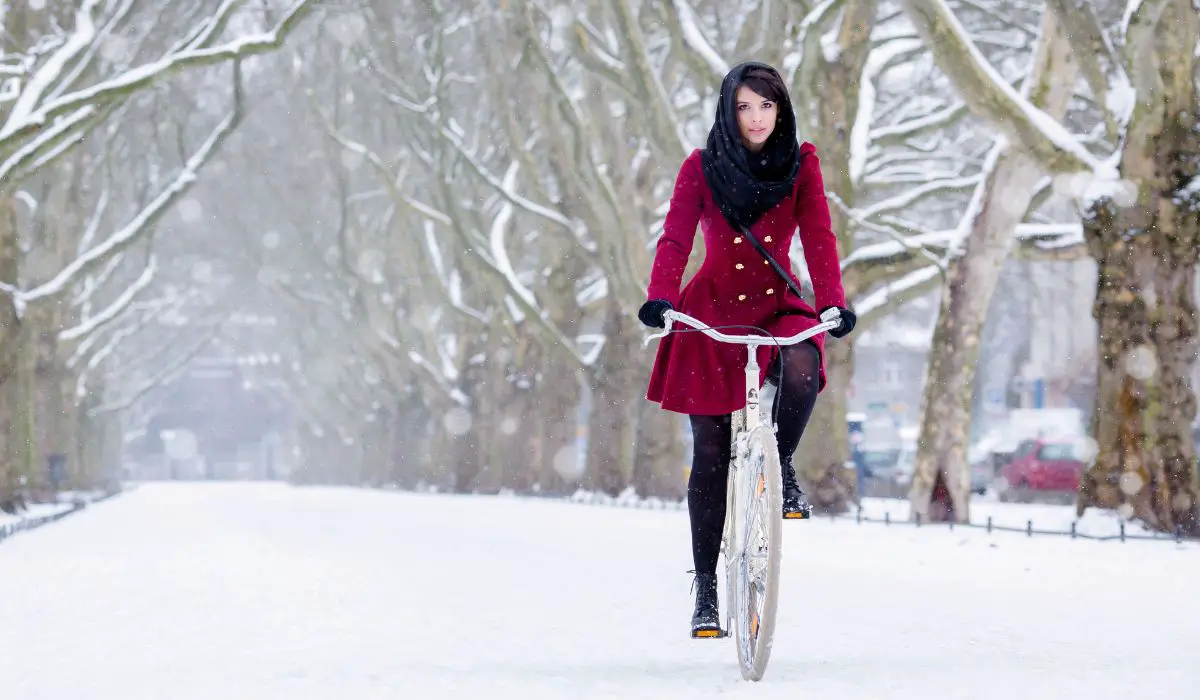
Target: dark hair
(767,83)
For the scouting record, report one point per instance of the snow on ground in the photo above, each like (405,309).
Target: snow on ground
(266,591)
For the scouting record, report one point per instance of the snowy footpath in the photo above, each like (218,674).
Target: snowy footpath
(266,591)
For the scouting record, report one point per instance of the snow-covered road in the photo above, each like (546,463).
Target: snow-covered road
(260,591)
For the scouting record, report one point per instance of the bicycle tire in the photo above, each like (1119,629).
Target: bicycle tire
(758,478)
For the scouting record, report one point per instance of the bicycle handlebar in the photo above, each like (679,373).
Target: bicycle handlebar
(831,319)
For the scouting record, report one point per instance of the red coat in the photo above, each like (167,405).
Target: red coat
(694,374)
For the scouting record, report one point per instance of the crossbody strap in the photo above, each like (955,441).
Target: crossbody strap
(778,268)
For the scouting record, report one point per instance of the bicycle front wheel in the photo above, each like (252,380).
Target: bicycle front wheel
(752,560)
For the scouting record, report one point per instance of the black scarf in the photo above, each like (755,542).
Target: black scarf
(746,185)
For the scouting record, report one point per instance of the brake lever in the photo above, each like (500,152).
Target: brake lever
(655,336)
(831,314)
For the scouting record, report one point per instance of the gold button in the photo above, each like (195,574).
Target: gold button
(737,240)
(767,239)
(741,297)
(770,291)
(739,266)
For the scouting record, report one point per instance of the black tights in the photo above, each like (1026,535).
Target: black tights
(711,447)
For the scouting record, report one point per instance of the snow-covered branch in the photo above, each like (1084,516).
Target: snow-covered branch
(179,361)
(895,134)
(911,196)
(90,325)
(597,58)
(147,312)
(664,123)
(683,23)
(989,96)
(21,113)
(145,219)
(874,302)
(31,118)
(1098,62)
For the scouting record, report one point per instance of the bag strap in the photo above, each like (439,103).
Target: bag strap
(778,268)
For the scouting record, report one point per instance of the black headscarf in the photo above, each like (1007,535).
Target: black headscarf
(745,185)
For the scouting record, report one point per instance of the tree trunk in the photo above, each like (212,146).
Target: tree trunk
(1145,305)
(617,384)
(1003,198)
(467,425)
(24,410)
(660,461)
(557,426)
(823,453)
(821,458)
(10,330)
(1145,302)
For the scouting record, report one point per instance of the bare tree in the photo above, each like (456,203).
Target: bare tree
(1138,204)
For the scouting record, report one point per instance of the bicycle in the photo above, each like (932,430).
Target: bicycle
(752,549)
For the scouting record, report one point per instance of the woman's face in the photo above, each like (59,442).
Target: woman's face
(756,117)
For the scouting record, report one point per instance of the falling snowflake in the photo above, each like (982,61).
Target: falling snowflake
(202,272)
(351,160)
(115,48)
(457,421)
(190,210)
(1088,449)
(567,463)
(1141,362)
(347,28)
(180,444)
(370,264)
(1132,483)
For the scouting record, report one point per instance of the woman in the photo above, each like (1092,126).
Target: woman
(752,175)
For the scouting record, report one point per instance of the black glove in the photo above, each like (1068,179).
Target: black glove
(849,318)
(651,313)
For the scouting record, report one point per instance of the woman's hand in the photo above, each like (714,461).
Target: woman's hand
(848,320)
(651,313)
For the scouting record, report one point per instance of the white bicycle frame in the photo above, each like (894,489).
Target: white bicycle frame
(744,423)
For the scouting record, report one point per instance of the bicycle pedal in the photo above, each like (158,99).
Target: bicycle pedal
(707,633)
(797,516)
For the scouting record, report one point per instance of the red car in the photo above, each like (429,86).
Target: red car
(1046,465)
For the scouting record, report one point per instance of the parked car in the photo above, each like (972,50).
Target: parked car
(1047,465)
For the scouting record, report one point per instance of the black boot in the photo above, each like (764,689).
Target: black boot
(706,621)
(795,505)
